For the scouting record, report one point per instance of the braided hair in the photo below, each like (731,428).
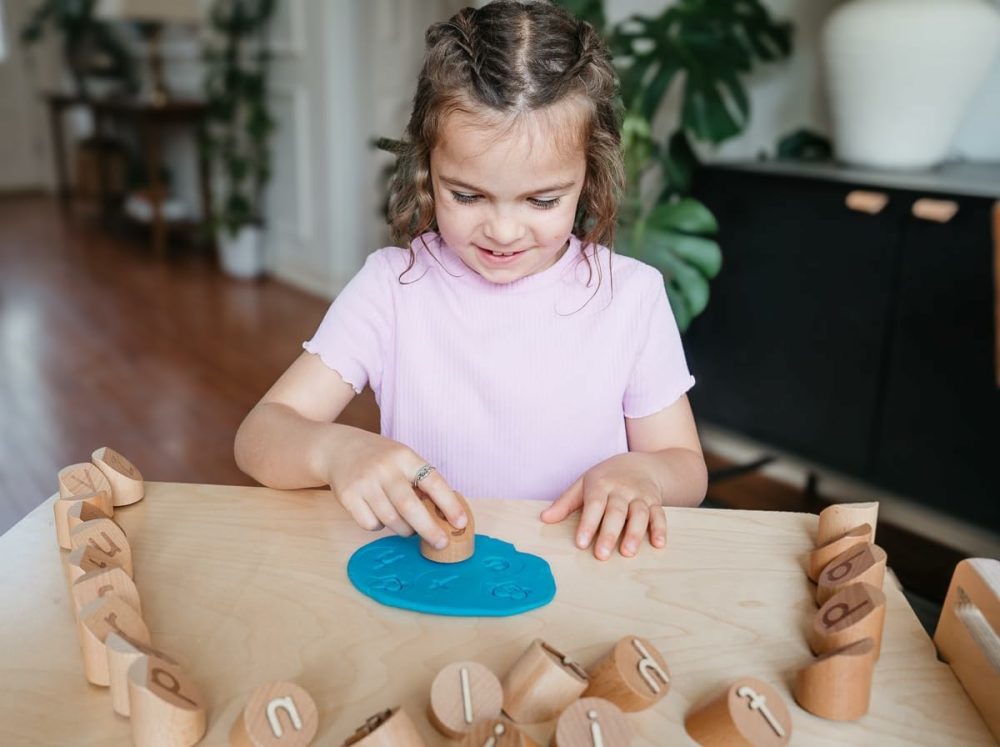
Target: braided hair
(505,59)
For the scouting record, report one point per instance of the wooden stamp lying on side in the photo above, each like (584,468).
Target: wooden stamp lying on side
(839,518)
(855,612)
(166,708)
(97,620)
(127,486)
(79,483)
(123,652)
(820,557)
(88,558)
(107,537)
(541,683)
(389,728)
(633,675)
(98,583)
(592,722)
(82,511)
(462,694)
(278,714)
(461,542)
(748,712)
(862,563)
(838,684)
(496,732)
(966,635)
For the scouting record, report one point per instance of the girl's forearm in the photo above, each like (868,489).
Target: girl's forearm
(681,475)
(280,448)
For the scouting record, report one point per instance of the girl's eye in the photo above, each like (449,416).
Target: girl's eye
(544,204)
(465,199)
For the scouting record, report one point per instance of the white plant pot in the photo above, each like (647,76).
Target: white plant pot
(901,73)
(242,255)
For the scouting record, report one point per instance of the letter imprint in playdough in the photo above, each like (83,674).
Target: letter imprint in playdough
(758,702)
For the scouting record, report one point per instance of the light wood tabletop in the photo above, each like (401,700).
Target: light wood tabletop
(248,585)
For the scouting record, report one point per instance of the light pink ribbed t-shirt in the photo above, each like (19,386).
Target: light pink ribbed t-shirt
(510,390)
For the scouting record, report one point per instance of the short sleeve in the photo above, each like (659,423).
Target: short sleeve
(660,375)
(357,329)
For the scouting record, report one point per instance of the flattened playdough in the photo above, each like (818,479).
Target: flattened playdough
(496,581)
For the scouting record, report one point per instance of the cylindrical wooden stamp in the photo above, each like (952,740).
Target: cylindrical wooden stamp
(82,479)
(106,536)
(839,518)
(389,728)
(88,558)
(749,713)
(96,584)
(592,722)
(838,684)
(84,511)
(461,542)
(167,709)
(462,694)
(860,564)
(278,714)
(99,500)
(541,683)
(855,612)
(820,557)
(123,652)
(127,486)
(633,675)
(496,732)
(97,620)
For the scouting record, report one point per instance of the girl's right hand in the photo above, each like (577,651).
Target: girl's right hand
(372,477)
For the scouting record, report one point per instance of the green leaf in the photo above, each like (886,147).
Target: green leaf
(698,251)
(678,161)
(804,145)
(591,11)
(682,314)
(686,215)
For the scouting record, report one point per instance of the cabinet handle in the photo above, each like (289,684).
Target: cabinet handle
(863,201)
(939,211)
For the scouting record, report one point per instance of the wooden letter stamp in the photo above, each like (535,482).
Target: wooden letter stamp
(855,612)
(592,722)
(107,537)
(123,652)
(749,713)
(966,635)
(820,557)
(462,694)
(541,683)
(166,706)
(97,505)
(839,518)
(496,732)
(97,620)
(88,558)
(461,542)
(389,728)
(101,582)
(633,675)
(838,684)
(82,511)
(77,483)
(862,563)
(127,486)
(278,714)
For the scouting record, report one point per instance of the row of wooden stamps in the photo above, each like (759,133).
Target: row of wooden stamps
(146,685)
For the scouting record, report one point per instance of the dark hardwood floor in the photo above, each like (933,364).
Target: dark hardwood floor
(102,344)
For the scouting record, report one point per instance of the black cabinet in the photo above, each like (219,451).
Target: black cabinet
(860,341)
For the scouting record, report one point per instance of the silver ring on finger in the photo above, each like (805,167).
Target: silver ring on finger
(422,473)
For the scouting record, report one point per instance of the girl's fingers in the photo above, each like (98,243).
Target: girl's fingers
(594,505)
(615,515)
(362,513)
(657,526)
(565,504)
(435,486)
(387,513)
(635,528)
(412,510)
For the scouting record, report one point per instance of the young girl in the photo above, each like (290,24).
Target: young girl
(503,346)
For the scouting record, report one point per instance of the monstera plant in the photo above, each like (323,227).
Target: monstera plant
(706,48)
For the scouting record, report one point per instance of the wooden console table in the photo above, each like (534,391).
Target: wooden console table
(151,120)
(248,585)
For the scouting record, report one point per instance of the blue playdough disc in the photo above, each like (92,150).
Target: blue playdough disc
(496,581)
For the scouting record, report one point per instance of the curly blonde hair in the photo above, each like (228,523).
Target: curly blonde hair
(509,58)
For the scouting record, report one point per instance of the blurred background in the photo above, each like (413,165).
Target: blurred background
(185,184)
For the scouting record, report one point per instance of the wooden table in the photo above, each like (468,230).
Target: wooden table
(248,585)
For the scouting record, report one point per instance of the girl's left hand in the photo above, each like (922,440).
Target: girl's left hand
(617,494)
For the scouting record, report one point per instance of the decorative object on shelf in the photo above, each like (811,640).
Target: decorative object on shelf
(901,73)
(150,16)
(92,52)
(977,136)
(238,131)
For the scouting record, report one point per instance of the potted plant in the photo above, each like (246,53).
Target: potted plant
(238,129)
(706,47)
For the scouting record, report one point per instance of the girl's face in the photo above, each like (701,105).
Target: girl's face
(505,196)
